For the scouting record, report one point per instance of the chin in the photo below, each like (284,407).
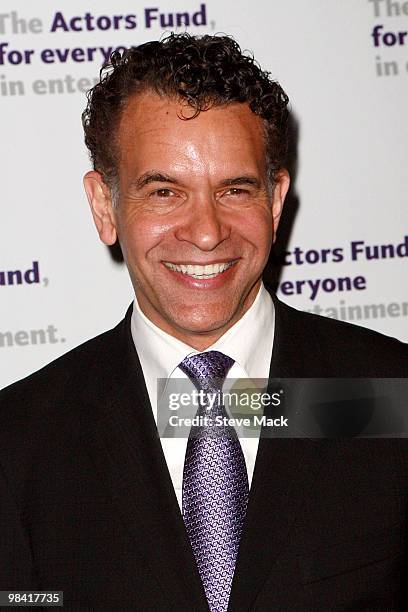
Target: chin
(202,321)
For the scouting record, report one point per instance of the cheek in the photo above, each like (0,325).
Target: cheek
(256,228)
(140,234)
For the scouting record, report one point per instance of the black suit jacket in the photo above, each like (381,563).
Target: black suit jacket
(87,505)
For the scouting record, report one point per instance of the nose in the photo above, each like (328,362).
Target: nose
(203,225)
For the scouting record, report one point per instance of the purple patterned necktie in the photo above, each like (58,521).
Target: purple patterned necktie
(215,484)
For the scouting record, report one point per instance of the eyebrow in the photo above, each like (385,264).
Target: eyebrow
(241,180)
(159,177)
(153,177)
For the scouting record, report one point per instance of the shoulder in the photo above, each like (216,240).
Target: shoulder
(58,382)
(53,408)
(48,411)
(347,349)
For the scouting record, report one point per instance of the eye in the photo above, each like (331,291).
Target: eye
(236,191)
(163,193)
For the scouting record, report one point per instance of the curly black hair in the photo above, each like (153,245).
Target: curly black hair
(204,70)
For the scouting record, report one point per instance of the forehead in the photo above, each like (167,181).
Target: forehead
(155,129)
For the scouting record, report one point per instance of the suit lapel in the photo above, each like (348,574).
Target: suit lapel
(126,451)
(285,470)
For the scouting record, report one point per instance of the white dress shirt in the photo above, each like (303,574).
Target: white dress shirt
(249,342)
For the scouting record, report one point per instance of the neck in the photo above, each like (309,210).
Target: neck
(199,340)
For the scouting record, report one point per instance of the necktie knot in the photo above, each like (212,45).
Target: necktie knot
(207,371)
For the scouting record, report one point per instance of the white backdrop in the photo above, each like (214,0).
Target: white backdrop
(344,64)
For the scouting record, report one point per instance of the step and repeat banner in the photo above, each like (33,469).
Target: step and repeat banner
(344,65)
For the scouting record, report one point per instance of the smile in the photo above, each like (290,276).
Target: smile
(200,272)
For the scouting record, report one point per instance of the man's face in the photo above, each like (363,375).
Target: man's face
(195,216)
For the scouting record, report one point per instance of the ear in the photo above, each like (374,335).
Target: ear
(100,201)
(282,182)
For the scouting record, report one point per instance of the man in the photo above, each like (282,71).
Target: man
(188,138)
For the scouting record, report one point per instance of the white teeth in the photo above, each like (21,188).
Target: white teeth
(202,272)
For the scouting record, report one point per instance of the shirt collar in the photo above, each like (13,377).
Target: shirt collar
(248,341)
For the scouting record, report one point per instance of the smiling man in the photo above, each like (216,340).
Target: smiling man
(188,138)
